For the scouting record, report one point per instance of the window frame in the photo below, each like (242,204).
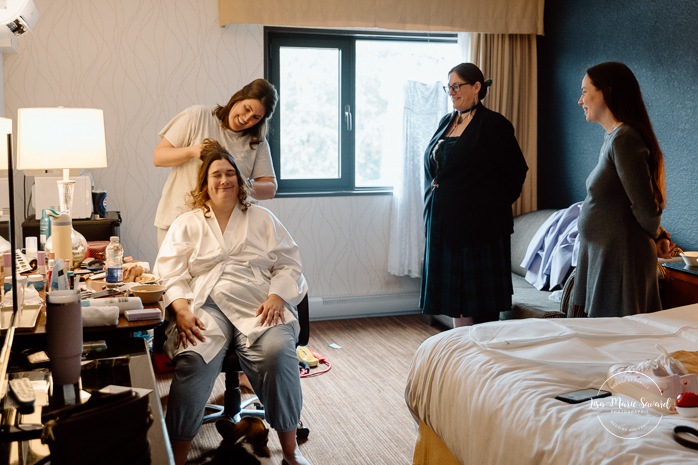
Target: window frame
(345,41)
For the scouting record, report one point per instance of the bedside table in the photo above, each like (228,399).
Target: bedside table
(680,285)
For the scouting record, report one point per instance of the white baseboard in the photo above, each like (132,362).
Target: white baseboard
(329,308)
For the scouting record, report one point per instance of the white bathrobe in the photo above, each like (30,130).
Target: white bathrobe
(238,269)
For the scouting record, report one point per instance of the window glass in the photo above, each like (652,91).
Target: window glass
(383,68)
(339,123)
(309,120)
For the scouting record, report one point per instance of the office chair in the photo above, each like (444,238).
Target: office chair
(233,406)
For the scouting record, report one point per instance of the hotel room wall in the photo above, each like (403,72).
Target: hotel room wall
(142,62)
(657,40)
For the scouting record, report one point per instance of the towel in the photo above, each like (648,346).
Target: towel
(123,303)
(100,316)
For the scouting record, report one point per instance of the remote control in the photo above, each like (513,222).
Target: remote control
(23,391)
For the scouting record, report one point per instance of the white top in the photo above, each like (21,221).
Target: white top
(191,127)
(239,269)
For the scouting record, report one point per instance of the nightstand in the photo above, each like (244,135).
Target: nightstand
(680,285)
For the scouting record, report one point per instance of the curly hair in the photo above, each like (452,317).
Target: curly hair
(259,89)
(211,152)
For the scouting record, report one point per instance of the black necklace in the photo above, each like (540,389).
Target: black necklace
(468,112)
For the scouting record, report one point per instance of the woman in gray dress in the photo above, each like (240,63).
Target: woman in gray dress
(620,218)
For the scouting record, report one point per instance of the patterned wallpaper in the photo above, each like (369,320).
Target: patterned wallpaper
(143,61)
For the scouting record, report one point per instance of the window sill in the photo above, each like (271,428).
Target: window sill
(336,193)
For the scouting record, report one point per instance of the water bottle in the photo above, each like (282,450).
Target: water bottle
(44,229)
(115,263)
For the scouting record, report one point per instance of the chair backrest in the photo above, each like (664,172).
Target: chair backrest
(304,321)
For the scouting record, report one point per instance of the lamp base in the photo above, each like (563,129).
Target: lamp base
(66,190)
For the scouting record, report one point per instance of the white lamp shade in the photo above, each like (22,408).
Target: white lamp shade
(5,129)
(60,138)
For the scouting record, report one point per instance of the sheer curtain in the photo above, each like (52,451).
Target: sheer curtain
(424,106)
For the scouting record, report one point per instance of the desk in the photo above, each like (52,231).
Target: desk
(25,338)
(123,328)
(680,285)
(133,370)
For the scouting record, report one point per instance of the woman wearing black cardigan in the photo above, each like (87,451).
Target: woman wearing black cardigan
(474,171)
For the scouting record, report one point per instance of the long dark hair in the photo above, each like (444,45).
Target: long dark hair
(622,95)
(211,152)
(259,89)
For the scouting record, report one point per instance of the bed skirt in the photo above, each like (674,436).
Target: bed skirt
(430,449)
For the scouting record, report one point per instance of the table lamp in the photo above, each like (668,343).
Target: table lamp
(60,139)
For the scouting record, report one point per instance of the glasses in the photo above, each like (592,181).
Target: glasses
(455,87)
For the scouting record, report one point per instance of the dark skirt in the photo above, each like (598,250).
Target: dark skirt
(472,281)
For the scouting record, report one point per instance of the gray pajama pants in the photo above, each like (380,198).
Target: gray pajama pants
(270,363)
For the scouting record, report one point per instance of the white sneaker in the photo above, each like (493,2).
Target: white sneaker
(654,381)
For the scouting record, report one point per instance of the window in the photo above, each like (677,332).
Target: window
(338,124)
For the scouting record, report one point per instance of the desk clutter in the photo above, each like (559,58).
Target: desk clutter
(101,305)
(109,417)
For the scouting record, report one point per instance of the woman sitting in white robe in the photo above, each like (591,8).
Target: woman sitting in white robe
(233,276)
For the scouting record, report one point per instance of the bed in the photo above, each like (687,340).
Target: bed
(485,394)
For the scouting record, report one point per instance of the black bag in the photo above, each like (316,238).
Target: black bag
(109,429)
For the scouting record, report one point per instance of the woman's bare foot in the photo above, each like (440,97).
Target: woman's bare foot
(298,459)
(289,447)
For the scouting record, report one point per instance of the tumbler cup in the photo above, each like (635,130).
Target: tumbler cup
(64,335)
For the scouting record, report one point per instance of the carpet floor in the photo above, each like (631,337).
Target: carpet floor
(356,411)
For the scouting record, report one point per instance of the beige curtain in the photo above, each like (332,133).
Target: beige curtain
(492,16)
(511,62)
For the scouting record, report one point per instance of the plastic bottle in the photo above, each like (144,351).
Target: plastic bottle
(114,263)
(41,266)
(62,239)
(44,229)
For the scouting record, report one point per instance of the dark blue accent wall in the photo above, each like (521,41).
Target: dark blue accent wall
(658,40)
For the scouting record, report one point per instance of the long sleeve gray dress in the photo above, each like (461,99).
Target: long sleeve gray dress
(619,220)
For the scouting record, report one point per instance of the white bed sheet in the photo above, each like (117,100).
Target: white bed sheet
(488,391)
